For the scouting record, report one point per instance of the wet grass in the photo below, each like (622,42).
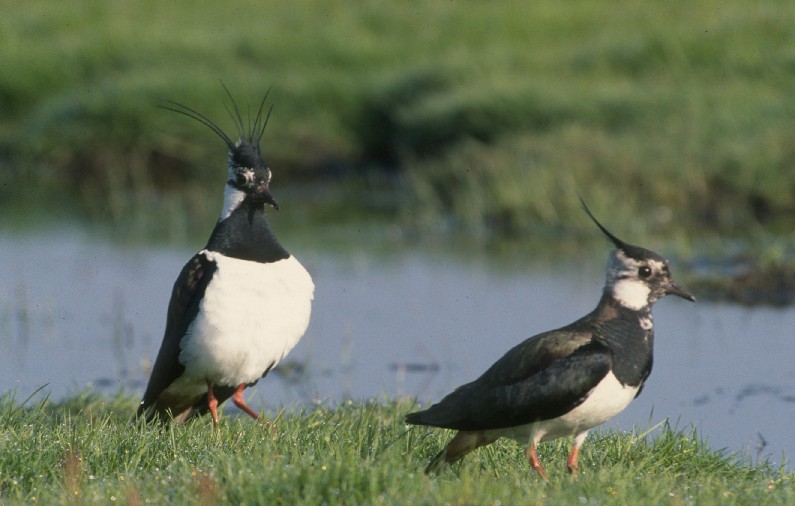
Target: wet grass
(84,450)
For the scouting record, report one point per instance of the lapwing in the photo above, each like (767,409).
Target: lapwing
(241,303)
(566,381)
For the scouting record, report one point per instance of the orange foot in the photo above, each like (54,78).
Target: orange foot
(212,403)
(532,459)
(237,398)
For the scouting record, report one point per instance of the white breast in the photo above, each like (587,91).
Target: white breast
(251,316)
(607,399)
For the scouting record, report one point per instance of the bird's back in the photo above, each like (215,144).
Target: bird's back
(525,384)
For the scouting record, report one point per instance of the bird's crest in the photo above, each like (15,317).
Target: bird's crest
(615,240)
(632,251)
(250,133)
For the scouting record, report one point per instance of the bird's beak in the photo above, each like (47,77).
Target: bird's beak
(265,195)
(674,289)
(270,200)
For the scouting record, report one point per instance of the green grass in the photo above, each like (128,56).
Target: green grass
(483,117)
(85,450)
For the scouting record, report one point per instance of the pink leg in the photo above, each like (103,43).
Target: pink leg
(237,398)
(532,459)
(212,403)
(571,463)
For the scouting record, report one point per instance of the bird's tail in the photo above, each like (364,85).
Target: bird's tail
(145,412)
(458,447)
(149,414)
(155,412)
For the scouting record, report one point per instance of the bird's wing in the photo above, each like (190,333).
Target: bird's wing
(535,354)
(493,402)
(183,307)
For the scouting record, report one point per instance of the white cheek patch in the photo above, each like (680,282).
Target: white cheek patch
(232,200)
(631,293)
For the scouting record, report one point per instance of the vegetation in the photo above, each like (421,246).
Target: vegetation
(674,120)
(456,115)
(85,450)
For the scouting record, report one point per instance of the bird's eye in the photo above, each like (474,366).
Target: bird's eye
(240,179)
(644,271)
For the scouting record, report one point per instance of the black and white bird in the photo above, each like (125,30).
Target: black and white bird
(240,304)
(566,381)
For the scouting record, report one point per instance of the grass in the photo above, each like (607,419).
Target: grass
(85,450)
(486,118)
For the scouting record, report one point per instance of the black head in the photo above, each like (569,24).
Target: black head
(637,277)
(248,176)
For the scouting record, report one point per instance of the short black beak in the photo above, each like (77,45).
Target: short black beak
(266,196)
(271,201)
(674,289)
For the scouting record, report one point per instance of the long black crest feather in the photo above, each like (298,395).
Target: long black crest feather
(252,134)
(237,119)
(204,120)
(258,131)
(618,242)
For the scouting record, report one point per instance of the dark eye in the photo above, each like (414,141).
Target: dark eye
(240,179)
(644,271)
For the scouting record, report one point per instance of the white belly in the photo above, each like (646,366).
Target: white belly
(251,316)
(607,399)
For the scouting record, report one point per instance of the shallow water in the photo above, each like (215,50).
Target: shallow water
(75,312)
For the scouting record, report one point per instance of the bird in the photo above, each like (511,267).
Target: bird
(241,303)
(566,381)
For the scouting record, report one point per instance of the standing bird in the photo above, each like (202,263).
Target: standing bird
(565,381)
(240,304)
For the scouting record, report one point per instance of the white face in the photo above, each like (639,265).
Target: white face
(630,280)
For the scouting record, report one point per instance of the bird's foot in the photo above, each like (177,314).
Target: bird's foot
(212,403)
(237,398)
(572,463)
(532,459)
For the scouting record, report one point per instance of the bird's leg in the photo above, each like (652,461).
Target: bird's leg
(532,459)
(212,403)
(237,398)
(571,462)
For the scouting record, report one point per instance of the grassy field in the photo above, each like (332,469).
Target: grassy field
(483,117)
(85,450)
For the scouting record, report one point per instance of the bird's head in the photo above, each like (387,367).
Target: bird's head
(248,176)
(637,277)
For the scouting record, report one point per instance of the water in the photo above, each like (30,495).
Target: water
(75,313)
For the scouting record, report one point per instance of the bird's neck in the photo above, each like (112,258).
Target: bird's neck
(233,199)
(629,334)
(244,233)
